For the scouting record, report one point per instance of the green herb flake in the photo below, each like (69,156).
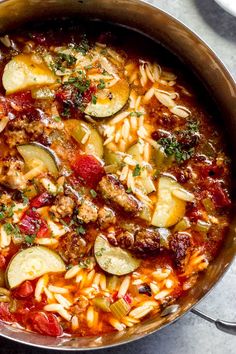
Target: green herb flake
(85,263)
(129,190)
(94,99)
(66,58)
(66,112)
(93,193)
(101,84)
(137,170)
(25,200)
(8,227)
(81,230)
(30,239)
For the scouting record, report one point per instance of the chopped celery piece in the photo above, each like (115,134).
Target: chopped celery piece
(102,303)
(112,157)
(208,204)
(202,226)
(182,225)
(120,308)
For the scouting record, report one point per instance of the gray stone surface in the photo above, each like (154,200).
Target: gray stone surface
(189,335)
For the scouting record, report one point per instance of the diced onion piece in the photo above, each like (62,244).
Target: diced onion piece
(22,72)
(183,194)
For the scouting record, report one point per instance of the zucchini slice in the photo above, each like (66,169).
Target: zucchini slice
(169,209)
(21,73)
(35,152)
(32,263)
(78,130)
(114,260)
(109,100)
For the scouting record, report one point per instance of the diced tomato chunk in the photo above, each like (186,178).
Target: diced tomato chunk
(5,314)
(87,96)
(32,224)
(89,169)
(26,289)
(21,100)
(219,195)
(41,200)
(213,171)
(44,323)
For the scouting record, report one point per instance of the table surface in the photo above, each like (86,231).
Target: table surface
(190,334)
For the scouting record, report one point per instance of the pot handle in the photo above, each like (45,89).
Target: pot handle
(228,327)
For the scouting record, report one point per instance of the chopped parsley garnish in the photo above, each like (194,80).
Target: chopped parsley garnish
(83,47)
(137,170)
(30,239)
(85,263)
(65,112)
(25,200)
(129,190)
(2,215)
(101,84)
(181,145)
(94,99)
(81,230)
(193,126)
(173,148)
(8,227)
(93,193)
(79,82)
(12,230)
(67,59)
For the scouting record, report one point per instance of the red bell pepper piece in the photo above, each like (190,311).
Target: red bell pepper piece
(89,169)
(41,200)
(32,224)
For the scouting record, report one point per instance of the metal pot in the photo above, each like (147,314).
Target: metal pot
(204,63)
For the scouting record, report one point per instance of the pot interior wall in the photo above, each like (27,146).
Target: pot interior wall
(195,55)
